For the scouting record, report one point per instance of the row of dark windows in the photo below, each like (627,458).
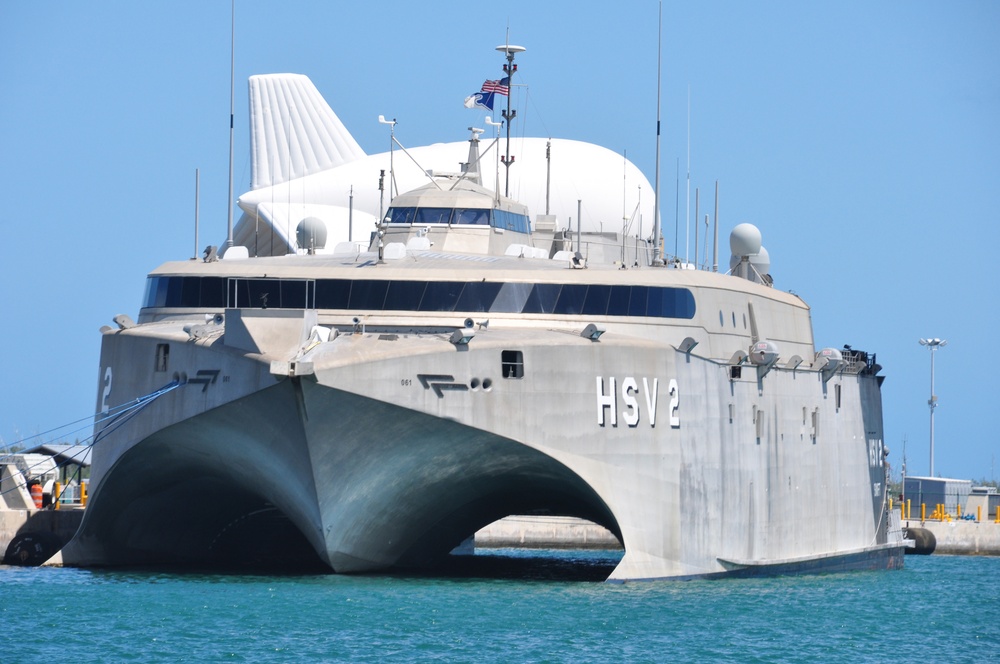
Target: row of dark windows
(475,216)
(432,296)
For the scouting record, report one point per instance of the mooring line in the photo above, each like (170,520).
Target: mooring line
(125,412)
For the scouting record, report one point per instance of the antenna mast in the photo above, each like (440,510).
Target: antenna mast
(715,227)
(687,196)
(392,168)
(232,112)
(197,186)
(508,115)
(696,227)
(657,258)
(548,173)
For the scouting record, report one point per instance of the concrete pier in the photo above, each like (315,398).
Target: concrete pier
(962,537)
(545,532)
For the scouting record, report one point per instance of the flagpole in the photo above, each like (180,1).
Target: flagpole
(508,115)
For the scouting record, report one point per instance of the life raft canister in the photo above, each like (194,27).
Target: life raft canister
(36,495)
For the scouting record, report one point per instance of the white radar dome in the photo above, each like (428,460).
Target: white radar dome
(745,240)
(311,233)
(761,261)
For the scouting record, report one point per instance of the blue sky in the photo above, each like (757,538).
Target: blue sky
(863,138)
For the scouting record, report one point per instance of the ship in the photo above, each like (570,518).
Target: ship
(369,405)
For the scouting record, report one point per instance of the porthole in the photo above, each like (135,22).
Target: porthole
(722,321)
(487,384)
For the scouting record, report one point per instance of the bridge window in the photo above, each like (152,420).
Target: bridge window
(441,295)
(512,364)
(510,221)
(270,294)
(404,295)
(618,305)
(542,299)
(472,216)
(571,299)
(478,296)
(433,216)
(596,302)
(413,295)
(401,215)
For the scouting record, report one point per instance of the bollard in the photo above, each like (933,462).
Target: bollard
(979,513)
(958,510)
(83,493)
(923,512)
(55,496)
(890,504)
(909,514)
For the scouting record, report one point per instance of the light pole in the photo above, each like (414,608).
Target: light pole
(933,344)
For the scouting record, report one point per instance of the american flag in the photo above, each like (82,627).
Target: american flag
(500,87)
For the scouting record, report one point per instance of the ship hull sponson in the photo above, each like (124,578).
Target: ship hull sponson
(393,449)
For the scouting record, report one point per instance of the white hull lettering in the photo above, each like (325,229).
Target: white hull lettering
(675,398)
(630,406)
(651,397)
(107,390)
(606,402)
(875,452)
(631,412)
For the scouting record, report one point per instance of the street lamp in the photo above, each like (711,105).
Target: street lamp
(933,344)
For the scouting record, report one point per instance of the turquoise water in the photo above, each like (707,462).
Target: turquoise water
(534,608)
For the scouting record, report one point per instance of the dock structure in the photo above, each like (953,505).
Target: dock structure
(951,516)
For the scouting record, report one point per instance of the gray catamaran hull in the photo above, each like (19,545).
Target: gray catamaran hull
(384,450)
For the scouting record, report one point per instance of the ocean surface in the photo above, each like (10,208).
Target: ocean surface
(503,606)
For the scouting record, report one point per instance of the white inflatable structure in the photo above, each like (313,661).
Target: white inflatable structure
(305,164)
